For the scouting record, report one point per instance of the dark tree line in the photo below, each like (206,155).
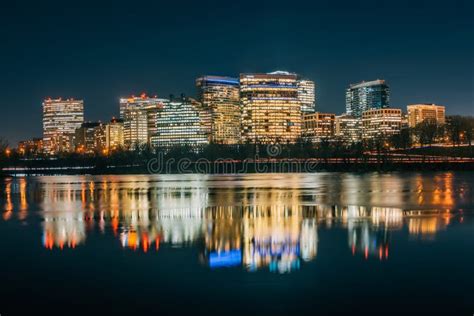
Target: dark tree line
(4,149)
(456,131)
(460,129)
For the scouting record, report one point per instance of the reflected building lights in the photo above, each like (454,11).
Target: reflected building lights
(23,210)
(365,240)
(369,230)
(8,206)
(426,227)
(63,229)
(251,227)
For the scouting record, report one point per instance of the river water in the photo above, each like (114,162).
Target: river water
(321,243)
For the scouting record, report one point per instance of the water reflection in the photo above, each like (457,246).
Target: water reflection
(63,229)
(257,222)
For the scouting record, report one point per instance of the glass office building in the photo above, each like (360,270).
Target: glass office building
(307,96)
(271,110)
(181,122)
(220,97)
(365,96)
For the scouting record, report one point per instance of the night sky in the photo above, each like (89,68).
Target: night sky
(100,51)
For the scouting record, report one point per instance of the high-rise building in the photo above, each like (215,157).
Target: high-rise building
(109,137)
(318,126)
(181,122)
(368,95)
(61,118)
(381,123)
(404,120)
(140,102)
(150,105)
(114,135)
(418,113)
(271,110)
(100,138)
(152,111)
(135,127)
(85,137)
(220,97)
(347,128)
(306,95)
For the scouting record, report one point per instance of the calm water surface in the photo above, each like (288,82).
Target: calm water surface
(325,243)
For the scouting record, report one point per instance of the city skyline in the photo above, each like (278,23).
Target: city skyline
(144,96)
(272,108)
(248,157)
(426,56)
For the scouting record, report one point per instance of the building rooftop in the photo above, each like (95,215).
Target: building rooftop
(280,72)
(367,84)
(218,79)
(424,104)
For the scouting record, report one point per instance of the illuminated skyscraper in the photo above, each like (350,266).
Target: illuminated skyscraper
(306,95)
(150,105)
(318,126)
(114,135)
(271,110)
(135,127)
(348,129)
(143,101)
(85,138)
(152,111)
(381,123)
(418,113)
(181,122)
(368,95)
(100,138)
(61,118)
(109,137)
(220,96)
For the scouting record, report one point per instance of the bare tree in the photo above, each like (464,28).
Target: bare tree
(401,140)
(3,145)
(426,132)
(454,128)
(468,128)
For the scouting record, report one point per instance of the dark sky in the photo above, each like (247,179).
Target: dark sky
(100,50)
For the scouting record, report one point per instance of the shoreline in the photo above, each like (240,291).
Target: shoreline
(238,168)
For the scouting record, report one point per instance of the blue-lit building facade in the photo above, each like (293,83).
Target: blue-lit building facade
(365,96)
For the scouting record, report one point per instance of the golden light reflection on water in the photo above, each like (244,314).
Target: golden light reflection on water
(268,223)
(8,208)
